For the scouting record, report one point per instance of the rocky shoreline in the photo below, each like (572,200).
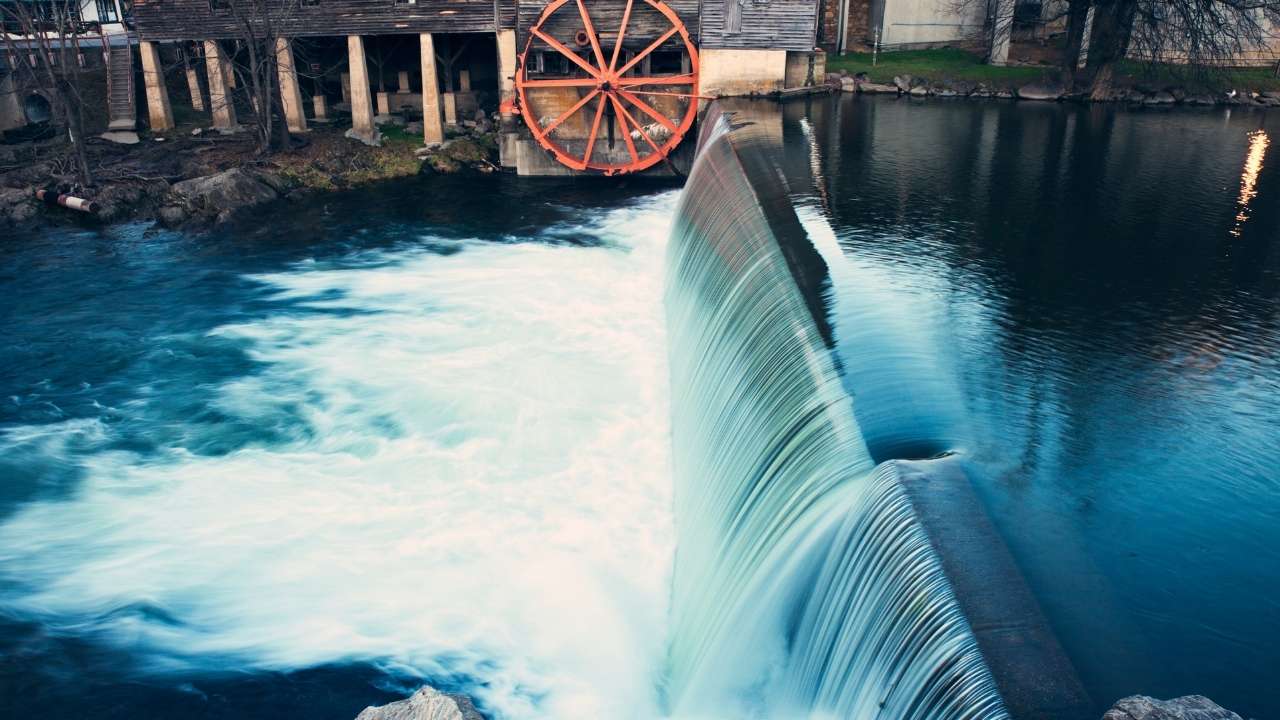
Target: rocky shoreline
(1049,91)
(431,704)
(200,180)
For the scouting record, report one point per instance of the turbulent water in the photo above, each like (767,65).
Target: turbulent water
(459,469)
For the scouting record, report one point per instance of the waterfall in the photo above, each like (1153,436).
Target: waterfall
(804,585)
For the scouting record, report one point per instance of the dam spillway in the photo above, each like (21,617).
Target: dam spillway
(804,585)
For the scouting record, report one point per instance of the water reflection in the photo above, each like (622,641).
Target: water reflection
(1047,289)
(1258,143)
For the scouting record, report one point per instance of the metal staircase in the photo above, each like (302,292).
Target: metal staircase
(121,105)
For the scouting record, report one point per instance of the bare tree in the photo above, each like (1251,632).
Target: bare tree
(42,40)
(259,25)
(1197,34)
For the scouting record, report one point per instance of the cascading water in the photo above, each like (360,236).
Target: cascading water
(804,585)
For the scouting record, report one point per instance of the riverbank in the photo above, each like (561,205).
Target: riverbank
(197,178)
(952,72)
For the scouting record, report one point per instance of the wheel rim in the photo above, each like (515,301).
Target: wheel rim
(605,114)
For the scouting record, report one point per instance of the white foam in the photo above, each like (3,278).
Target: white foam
(481,485)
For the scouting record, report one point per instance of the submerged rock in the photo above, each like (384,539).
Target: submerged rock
(426,704)
(1188,707)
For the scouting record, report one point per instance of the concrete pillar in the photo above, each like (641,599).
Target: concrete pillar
(220,103)
(346,87)
(11,115)
(432,124)
(320,106)
(464,80)
(404,83)
(450,108)
(1001,32)
(193,86)
(290,94)
(362,127)
(384,103)
(158,109)
(508,138)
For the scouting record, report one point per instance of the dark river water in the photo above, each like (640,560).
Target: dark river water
(419,432)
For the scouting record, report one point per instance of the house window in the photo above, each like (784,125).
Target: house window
(107,11)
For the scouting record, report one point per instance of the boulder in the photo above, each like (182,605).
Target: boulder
(224,192)
(17,204)
(1160,97)
(1188,707)
(172,215)
(426,704)
(1042,91)
(870,87)
(919,91)
(1200,99)
(903,82)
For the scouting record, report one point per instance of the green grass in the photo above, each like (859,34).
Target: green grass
(951,64)
(942,64)
(1199,80)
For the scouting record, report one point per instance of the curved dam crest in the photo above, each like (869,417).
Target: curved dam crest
(804,583)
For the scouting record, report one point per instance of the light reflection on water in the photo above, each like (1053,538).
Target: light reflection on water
(1258,143)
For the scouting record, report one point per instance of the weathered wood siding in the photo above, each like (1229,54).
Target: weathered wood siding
(759,24)
(645,25)
(197,20)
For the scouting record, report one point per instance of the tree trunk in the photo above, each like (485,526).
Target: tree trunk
(1112,25)
(1077,18)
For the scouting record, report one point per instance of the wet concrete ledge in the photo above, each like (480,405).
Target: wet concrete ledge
(1035,677)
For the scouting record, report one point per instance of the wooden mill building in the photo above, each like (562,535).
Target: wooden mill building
(453,59)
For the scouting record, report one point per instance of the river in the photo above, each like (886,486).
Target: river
(420,432)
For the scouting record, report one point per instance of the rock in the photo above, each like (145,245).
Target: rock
(464,150)
(1049,90)
(17,204)
(172,215)
(919,91)
(117,202)
(849,85)
(1200,99)
(1188,707)
(870,87)
(902,82)
(222,193)
(196,132)
(374,140)
(122,137)
(1002,94)
(1159,97)
(426,704)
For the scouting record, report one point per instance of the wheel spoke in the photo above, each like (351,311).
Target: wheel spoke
(648,110)
(652,46)
(671,94)
(591,34)
(658,80)
(626,134)
(559,47)
(561,82)
(622,32)
(595,130)
(628,118)
(567,113)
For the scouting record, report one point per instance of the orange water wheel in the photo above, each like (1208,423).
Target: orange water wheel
(615,99)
